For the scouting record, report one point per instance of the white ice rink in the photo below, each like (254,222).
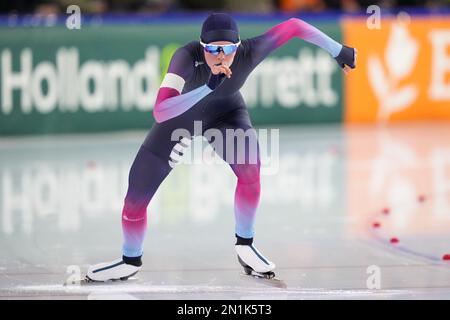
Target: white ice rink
(61,200)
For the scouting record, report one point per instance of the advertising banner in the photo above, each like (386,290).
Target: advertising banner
(106,77)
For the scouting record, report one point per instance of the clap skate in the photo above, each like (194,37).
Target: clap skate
(255,265)
(117,270)
(250,272)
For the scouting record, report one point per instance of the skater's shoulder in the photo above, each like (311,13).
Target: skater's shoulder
(189,52)
(254,42)
(246,47)
(193,48)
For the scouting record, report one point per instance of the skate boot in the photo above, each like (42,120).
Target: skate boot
(254,263)
(120,269)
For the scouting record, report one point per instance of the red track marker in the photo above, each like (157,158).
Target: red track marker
(446,257)
(394,240)
(386,211)
(376,225)
(421,198)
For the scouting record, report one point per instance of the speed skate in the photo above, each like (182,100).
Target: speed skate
(117,270)
(256,265)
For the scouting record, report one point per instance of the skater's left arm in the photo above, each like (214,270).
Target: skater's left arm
(280,34)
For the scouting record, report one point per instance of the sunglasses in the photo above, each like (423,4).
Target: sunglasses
(215,49)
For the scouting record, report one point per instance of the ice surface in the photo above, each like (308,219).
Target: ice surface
(61,198)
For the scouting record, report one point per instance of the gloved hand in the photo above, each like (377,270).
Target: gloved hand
(347,57)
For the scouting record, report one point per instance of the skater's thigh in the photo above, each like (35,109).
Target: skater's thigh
(146,174)
(155,159)
(164,137)
(234,139)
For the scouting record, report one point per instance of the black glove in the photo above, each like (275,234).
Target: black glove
(347,56)
(215,80)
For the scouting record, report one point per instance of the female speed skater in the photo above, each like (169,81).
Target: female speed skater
(202,84)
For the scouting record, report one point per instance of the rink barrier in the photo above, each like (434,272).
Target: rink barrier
(105,76)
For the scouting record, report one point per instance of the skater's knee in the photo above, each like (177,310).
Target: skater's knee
(134,209)
(248,173)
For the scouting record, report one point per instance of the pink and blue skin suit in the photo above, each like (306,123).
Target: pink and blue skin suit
(184,97)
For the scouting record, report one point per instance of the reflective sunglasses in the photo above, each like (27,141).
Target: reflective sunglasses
(215,49)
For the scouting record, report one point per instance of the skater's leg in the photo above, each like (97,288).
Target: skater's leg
(239,148)
(247,195)
(149,169)
(146,174)
(246,201)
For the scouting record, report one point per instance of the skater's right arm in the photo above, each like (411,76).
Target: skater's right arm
(170,102)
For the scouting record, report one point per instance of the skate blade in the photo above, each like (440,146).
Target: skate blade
(263,279)
(89,282)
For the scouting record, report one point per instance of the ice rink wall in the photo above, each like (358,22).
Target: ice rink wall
(105,76)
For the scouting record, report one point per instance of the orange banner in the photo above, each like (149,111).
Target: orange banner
(403,70)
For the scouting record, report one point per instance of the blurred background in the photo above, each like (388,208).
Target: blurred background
(106,59)
(362,159)
(260,6)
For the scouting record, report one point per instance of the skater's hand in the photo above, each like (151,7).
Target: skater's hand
(221,68)
(219,72)
(347,59)
(346,70)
